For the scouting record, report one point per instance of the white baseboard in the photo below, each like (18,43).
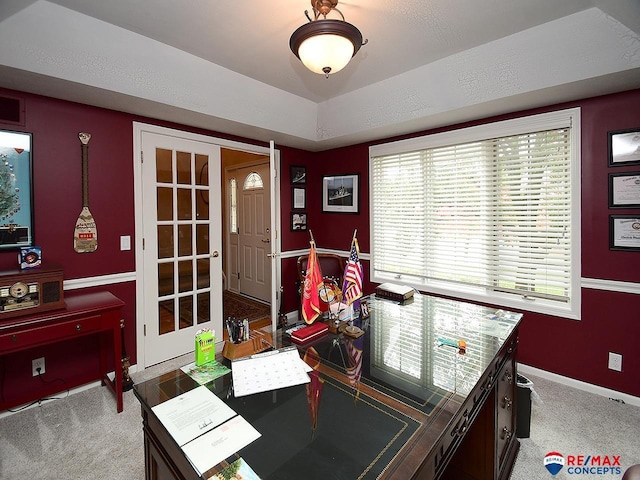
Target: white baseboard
(584,386)
(52,398)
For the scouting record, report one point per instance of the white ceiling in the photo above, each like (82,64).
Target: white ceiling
(227,66)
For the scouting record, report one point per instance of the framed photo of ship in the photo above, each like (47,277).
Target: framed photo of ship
(16,196)
(340,193)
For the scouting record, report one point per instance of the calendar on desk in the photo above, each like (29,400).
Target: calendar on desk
(268,371)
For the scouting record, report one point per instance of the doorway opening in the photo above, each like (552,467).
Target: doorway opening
(247,227)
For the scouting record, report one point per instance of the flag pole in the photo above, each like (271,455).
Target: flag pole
(312,239)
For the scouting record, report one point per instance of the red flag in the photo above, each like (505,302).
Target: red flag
(314,388)
(312,282)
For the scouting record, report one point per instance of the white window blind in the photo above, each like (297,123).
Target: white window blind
(493,214)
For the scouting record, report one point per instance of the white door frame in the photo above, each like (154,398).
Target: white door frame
(138,129)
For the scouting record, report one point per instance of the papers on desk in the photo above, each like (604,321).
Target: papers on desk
(268,371)
(199,422)
(210,449)
(193,413)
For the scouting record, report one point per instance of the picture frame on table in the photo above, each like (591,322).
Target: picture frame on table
(340,193)
(624,147)
(624,232)
(298,222)
(16,210)
(298,174)
(624,190)
(298,198)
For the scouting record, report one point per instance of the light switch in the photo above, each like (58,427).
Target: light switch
(125,242)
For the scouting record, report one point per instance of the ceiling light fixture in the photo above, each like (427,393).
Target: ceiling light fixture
(325,46)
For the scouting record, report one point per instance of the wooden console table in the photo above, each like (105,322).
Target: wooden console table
(85,314)
(424,411)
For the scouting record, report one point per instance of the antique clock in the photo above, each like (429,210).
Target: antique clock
(24,292)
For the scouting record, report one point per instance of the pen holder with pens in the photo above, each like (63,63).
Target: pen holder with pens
(258,341)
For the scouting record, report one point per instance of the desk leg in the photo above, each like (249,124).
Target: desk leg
(117,362)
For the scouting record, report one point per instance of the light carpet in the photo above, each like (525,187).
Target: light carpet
(81,436)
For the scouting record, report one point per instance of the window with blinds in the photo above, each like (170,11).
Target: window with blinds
(491,213)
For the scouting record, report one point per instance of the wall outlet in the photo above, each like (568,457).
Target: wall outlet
(36,364)
(615,361)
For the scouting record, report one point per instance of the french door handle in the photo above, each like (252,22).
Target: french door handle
(215,253)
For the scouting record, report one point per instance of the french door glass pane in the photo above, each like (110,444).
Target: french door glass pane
(184,240)
(183,167)
(186,312)
(163,166)
(165,204)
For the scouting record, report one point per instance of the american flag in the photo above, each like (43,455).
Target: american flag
(354,370)
(352,287)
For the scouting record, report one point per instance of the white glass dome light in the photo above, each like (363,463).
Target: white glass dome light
(325,46)
(326,54)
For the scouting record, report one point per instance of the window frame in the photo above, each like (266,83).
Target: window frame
(517,126)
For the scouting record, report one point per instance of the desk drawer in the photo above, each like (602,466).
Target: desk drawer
(47,334)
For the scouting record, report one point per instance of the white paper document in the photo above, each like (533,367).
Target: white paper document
(268,371)
(207,451)
(193,413)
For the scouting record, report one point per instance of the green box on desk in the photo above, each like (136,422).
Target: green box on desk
(205,348)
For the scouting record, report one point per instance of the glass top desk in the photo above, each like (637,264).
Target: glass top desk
(397,402)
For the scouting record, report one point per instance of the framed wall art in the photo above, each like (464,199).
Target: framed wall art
(298,222)
(624,147)
(624,190)
(298,198)
(624,232)
(340,193)
(16,196)
(298,175)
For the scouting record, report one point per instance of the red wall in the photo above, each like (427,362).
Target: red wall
(577,349)
(610,320)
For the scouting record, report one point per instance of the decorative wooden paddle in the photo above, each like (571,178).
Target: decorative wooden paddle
(85,236)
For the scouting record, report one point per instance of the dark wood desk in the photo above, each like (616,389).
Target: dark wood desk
(446,415)
(85,314)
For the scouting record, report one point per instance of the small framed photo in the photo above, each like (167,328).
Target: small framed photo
(624,190)
(340,193)
(624,147)
(298,222)
(298,198)
(298,175)
(624,232)
(364,309)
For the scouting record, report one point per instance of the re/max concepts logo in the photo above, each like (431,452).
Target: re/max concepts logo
(583,464)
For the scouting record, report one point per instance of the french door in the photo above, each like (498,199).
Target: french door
(182,266)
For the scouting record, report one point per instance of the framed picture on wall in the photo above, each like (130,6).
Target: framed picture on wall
(624,232)
(298,174)
(624,190)
(16,196)
(298,222)
(624,147)
(298,198)
(340,193)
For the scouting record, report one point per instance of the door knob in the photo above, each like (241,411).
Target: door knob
(215,253)
(266,240)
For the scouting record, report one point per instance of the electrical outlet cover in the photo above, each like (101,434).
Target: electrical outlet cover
(615,361)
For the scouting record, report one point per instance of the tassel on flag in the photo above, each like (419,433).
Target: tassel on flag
(312,283)
(352,287)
